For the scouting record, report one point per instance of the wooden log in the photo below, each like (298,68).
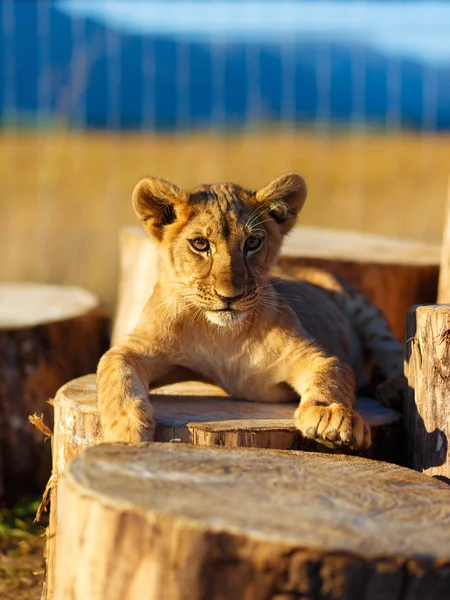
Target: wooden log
(395,273)
(204,415)
(427,410)
(48,334)
(444,271)
(180,522)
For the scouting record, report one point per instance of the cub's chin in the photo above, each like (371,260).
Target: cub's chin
(225,318)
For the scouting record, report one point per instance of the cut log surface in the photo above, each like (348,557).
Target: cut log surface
(205,415)
(427,410)
(48,335)
(180,522)
(394,273)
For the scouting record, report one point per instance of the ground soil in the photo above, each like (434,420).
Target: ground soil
(22,545)
(22,569)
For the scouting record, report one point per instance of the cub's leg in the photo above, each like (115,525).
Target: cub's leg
(123,376)
(327,390)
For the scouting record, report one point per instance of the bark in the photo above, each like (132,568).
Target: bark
(427,410)
(48,335)
(394,273)
(180,522)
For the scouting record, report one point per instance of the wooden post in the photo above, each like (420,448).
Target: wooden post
(48,335)
(178,522)
(394,273)
(444,271)
(427,409)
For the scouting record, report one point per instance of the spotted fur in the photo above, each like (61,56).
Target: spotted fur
(216,311)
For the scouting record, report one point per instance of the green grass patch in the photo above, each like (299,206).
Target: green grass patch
(17,528)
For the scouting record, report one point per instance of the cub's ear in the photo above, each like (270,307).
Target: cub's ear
(285,198)
(155,202)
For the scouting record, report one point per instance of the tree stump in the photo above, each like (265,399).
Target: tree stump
(427,410)
(48,334)
(138,274)
(180,522)
(204,415)
(394,273)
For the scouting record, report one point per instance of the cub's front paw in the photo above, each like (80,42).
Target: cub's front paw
(135,423)
(335,423)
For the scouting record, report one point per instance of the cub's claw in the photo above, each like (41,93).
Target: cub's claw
(334,423)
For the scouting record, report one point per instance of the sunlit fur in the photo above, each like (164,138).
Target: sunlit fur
(219,314)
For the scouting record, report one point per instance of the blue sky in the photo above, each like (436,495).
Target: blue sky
(417,30)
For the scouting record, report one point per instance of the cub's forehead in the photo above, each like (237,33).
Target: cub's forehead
(224,205)
(224,197)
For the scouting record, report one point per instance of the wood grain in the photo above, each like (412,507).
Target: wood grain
(395,273)
(427,410)
(48,335)
(180,522)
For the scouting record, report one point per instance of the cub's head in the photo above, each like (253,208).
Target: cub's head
(219,241)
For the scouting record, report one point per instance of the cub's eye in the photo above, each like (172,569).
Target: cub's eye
(200,244)
(253,243)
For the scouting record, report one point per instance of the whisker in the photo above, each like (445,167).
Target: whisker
(258,208)
(261,222)
(255,215)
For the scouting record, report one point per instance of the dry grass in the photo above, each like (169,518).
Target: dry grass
(64,195)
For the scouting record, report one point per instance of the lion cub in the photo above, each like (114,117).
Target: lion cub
(216,311)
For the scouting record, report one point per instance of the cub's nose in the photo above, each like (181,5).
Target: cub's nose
(229,299)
